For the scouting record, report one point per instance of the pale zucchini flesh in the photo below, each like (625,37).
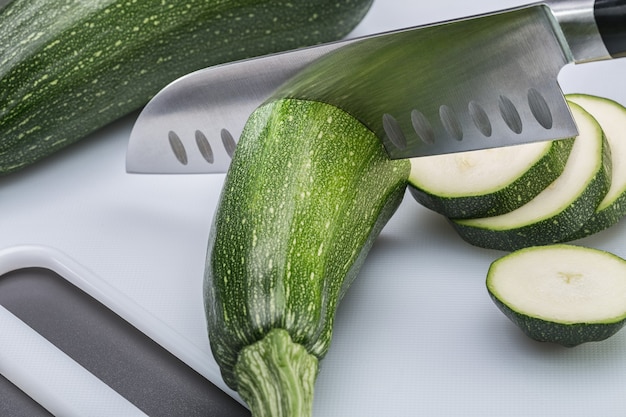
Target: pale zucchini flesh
(486,182)
(561,293)
(559,210)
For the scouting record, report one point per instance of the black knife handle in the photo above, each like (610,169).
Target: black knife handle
(610,16)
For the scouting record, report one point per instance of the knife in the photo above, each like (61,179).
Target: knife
(479,82)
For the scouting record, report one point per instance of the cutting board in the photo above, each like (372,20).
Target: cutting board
(415,335)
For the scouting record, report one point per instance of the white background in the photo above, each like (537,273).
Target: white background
(416,334)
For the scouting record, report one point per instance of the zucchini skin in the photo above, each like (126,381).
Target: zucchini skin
(547,231)
(69,67)
(308,191)
(565,334)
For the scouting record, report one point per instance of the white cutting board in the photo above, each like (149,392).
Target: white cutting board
(416,334)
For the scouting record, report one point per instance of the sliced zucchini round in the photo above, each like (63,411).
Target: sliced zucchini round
(561,293)
(486,182)
(559,210)
(612,119)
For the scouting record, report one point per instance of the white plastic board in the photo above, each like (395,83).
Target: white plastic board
(416,334)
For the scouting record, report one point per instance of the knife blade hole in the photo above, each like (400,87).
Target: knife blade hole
(177,147)
(450,122)
(480,118)
(228,141)
(540,109)
(394,131)
(422,127)
(510,115)
(204,147)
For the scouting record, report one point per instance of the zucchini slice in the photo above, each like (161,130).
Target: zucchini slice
(612,119)
(562,208)
(487,182)
(561,293)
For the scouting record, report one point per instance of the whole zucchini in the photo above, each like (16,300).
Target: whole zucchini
(69,67)
(308,191)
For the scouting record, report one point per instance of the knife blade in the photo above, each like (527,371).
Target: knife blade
(478,82)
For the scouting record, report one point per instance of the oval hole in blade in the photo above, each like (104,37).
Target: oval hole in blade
(177,147)
(510,115)
(204,147)
(480,118)
(451,122)
(422,127)
(540,109)
(394,131)
(228,141)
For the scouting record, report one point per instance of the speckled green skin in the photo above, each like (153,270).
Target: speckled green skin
(500,201)
(308,191)
(566,334)
(69,67)
(543,232)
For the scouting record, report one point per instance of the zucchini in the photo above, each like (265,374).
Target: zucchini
(69,67)
(612,119)
(487,182)
(308,191)
(561,293)
(562,208)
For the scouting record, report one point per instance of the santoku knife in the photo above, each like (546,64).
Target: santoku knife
(479,82)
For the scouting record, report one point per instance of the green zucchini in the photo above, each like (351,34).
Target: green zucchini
(562,208)
(308,191)
(69,67)
(612,119)
(561,293)
(487,182)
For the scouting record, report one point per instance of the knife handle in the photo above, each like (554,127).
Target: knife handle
(610,16)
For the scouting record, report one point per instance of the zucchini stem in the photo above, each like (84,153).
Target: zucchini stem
(276,376)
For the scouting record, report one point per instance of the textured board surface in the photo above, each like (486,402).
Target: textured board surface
(415,335)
